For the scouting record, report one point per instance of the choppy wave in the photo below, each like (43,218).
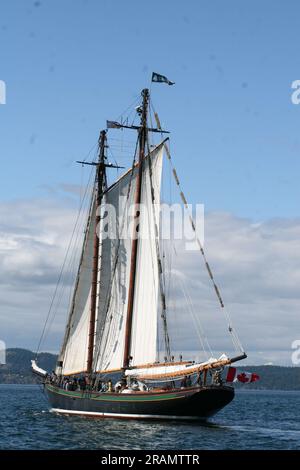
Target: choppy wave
(254,420)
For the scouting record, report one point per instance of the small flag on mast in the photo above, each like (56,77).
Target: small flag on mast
(156,77)
(113,125)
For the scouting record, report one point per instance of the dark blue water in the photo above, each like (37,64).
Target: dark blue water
(254,420)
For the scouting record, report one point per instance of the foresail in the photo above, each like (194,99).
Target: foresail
(115,271)
(114,274)
(75,346)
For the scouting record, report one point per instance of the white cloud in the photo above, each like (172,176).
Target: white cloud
(256,265)
(34,236)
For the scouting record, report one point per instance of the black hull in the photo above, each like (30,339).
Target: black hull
(192,403)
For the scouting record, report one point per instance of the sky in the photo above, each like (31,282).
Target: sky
(70,65)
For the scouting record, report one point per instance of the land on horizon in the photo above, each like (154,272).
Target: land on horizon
(17,371)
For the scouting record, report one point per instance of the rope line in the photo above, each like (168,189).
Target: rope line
(236,342)
(62,270)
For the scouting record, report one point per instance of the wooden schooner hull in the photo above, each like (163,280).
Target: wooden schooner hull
(119,309)
(186,404)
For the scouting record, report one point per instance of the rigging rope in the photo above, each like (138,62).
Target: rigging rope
(62,270)
(70,269)
(199,329)
(196,320)
(236,342)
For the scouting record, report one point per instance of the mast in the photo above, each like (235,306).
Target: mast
(100,181)
(143,133)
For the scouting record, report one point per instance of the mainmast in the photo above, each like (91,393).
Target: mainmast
(143,134)
(100,182)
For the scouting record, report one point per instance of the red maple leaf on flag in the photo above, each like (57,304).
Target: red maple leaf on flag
(243,377)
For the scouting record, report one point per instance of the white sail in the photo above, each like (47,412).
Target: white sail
(38,370)
(115,272)
(144,325)
(164,371)
(75,347)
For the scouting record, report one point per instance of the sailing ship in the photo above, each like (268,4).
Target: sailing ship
(108,366)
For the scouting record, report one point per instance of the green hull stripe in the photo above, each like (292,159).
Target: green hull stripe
(118,397)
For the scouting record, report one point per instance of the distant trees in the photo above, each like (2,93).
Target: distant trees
(17,370)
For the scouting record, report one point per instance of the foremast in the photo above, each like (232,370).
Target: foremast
(143,136)
(101,184)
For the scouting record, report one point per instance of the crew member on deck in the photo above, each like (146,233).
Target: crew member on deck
(183,383)
(109,386)
(199,378)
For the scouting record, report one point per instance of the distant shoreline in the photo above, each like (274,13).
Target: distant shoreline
(17,371)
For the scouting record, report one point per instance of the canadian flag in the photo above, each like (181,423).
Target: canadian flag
(244,377)
(231,374)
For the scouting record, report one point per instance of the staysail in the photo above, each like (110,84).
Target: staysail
(74,350)
(118,214)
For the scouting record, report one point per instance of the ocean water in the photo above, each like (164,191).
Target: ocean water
(254,420)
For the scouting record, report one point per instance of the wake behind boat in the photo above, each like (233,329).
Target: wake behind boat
(109,364)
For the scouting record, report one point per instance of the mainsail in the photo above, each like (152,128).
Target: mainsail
(144,326)
(115,269)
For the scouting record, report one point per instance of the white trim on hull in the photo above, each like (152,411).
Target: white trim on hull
(123,415)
